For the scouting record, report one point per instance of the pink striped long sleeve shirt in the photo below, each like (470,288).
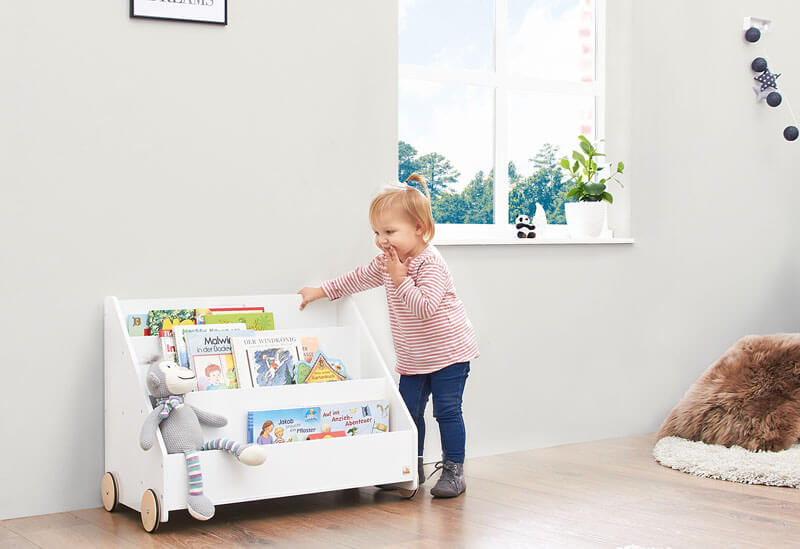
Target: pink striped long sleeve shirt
(430,328)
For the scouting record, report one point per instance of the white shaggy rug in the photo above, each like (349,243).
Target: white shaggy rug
(735,463)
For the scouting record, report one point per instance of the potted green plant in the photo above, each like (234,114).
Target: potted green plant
(586,217)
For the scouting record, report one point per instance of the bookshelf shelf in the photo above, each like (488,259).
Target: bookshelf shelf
(290,469)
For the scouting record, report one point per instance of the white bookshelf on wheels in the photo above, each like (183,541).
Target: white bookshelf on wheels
(154,482)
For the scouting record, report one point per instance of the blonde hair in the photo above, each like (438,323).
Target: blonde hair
(411,201)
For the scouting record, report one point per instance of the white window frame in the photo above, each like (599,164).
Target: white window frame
(501,82)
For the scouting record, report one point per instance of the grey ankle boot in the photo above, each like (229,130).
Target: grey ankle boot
(452,482)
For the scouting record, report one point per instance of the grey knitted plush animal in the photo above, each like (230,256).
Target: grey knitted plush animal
(180,429)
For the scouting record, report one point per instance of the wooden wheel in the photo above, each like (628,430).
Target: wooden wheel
(151,511)
(407,494)
(109,492)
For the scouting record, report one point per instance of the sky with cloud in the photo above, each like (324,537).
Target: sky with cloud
(548,39)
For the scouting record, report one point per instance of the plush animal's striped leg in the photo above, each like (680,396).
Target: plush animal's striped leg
(198,505)
(194,473)
(249,455)
(225,444)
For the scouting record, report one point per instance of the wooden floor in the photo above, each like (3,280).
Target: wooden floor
(598,494)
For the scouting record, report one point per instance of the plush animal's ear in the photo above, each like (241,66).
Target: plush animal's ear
(152,381)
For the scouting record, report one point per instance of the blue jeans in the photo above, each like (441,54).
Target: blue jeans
(447,387)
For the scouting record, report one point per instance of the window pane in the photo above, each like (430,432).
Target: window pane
(552,39)
(446,133)
(542,128)
(457,34)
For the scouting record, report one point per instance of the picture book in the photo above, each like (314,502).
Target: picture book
(318,422)
(165,319)
(201,313)
(327,434)
(211,359)
(278,426)
(310,347)
(167,341)
(321,369)
(355,418)
(180,342)
(270,359)
(137,325)
(254,321)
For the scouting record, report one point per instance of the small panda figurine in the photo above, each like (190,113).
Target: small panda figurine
(524,227)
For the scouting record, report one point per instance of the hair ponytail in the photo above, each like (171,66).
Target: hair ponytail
(421,180)
(411,200)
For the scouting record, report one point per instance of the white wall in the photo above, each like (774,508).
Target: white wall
(120,173)
(149,158)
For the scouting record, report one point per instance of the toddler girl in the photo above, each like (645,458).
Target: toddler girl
(433,338)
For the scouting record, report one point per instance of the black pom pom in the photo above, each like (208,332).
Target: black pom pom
(774,99)
(790,133)
(759,64)
(752,34)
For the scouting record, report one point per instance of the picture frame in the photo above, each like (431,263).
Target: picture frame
(194,11)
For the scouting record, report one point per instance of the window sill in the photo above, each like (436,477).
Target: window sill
(527,241)
(482,235)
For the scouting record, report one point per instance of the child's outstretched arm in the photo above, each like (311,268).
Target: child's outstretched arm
(357,280)
(310,294)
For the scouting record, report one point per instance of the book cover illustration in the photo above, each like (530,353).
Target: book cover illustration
(254,321)
(137,325)
(321,369)
(310,348)
(270,359)
(211,358)
(167,340)
(180,332)
(355,418)
(279,426)
(165,319)
(326,433)
(201,313)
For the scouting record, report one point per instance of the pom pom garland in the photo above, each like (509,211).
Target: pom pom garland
(759,64)
(774,99)
(768,87)
(752,34)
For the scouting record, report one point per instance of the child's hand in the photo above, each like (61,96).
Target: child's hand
(397,269)
(310,294)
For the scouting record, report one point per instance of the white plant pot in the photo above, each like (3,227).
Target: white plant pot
(585,219)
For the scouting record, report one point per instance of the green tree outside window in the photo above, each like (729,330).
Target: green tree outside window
(475,203)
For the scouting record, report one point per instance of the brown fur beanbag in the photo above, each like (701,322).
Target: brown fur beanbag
(750,397)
